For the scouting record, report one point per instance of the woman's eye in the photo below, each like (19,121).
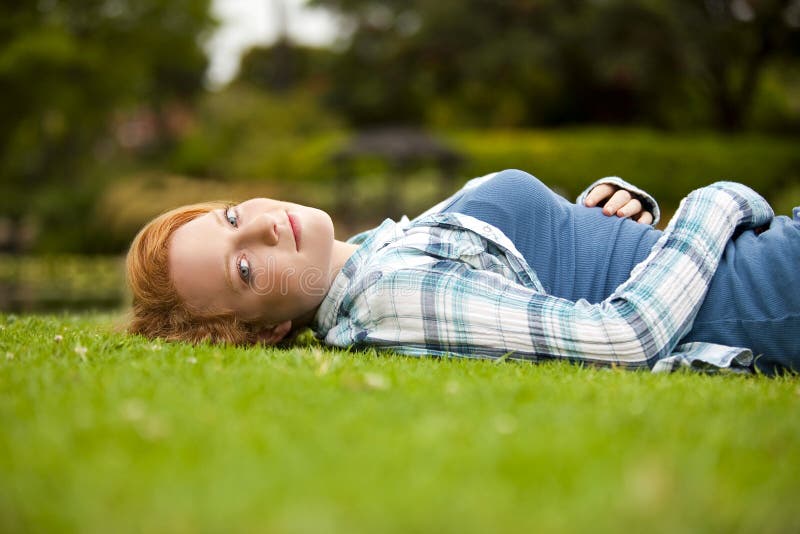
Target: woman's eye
(233,219)
(243,267)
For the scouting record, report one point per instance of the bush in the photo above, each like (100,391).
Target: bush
(245,134)
(668,166)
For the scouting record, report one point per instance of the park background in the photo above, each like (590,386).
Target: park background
(113,111)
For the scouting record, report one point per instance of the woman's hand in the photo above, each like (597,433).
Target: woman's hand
(618,202)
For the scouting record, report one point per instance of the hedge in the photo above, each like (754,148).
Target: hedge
(667,165)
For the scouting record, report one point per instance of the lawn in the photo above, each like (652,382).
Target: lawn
(103,432)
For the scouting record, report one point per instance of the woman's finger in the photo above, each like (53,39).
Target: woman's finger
(645,218)
(599,194)
(617,200)
(631,209)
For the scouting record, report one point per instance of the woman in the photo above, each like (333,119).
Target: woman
(503,268)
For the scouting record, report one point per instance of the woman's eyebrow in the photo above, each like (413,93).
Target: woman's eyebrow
(226,259)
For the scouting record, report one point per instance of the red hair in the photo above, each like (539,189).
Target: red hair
(158,310)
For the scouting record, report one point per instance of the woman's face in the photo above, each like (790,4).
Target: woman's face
(265,260)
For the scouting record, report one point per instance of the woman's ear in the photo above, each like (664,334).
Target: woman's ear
(272,335)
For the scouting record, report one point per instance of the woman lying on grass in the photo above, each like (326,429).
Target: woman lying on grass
(503,268)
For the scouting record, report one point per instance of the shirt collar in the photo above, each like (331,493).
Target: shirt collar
(523,271)
(389,232)
(328,312)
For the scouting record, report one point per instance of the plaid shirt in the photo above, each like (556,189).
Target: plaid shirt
(447,284)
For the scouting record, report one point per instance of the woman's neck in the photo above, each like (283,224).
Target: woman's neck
(341,253)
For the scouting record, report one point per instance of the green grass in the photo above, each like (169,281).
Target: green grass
(103,432)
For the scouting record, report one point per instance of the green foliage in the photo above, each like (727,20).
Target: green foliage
(244,133)
(284,66)
(73,72)
(52,283)
(300,169)
(107,432)
(778,107)
(66,69)
(668,166)
(551,62)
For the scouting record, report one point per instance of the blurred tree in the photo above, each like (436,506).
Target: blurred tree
(477,61)
(285,66)
(533,62)
(726,46)
(66,67)
(244,132)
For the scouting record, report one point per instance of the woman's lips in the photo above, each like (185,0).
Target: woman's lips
(294,222)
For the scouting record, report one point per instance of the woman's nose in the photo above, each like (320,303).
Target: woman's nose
(262,228)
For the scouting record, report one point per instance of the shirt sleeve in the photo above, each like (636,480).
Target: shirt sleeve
(648,201)
(452,309)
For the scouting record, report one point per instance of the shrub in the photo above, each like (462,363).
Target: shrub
(667,165)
